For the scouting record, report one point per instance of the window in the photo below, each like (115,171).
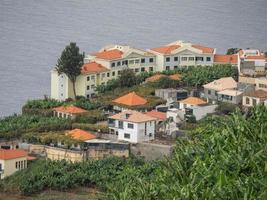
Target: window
(167,67)
(131,61)
(25,164)
(119,72)
(136,70)
(151,69)
(175,67)
(175,58)
(254,102)
(199,59)
(142,69)
(113,64)
(122,62)
(92,86)
(88,96)
(127,135)
(191,58)
(119,63)
(88,87)
(209,92)
(208,59)
(247,100)
(93,77)
(262,85)
(168,59)
(121,124)
(126,62)
(130,125)
(150,134)
(17,165)
(151,60)
(108,74)
(103,75)
(113,73)
(137,61)
(184,58)
(0,167)
(88,78)
(143,60)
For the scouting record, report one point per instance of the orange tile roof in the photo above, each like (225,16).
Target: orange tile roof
(193,101)
(157,114)
(203,48)
(70,109)
(256,57)
(132,116)
(175,77)
(155,77)
(109,54)
(79,134)
(8,154)
(131,99)
(93,67)
(166,49)
(232,59)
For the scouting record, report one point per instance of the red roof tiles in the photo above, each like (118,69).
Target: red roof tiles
(70,109)
(8,154)
(79,134)
(156,114)
(166,49)
(109,54)
(93,67)
(232,59)
(131,99)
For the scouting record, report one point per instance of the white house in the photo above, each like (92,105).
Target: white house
(133,126)
(12,160)
(180,53)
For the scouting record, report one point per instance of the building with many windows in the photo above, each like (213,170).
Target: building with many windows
(179,54)
(133,126)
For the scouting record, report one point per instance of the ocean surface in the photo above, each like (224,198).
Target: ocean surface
(33,33)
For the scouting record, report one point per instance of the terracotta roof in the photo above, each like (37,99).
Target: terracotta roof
(131,99)
(155,77)
(232,59)
(203,48)
(132,116)
(157,114)
(175,77)
(258,94)
(79,134)
(256,57)
(109,54)
(70,109)
(93,67)
(193,101)
(8,154)
(221,84)
(166,49)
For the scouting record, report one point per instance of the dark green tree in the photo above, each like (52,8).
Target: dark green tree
(70,63)
(127,78)
(232,51)
(265,54)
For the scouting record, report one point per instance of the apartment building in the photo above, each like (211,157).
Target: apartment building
(132,126)
(180,53)
(252,62)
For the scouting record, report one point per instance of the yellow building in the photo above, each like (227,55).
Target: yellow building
(12,160)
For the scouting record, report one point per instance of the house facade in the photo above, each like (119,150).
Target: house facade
(180,53)
(254,98)
(12,160)
(211,89)
(68,112)
(132,126)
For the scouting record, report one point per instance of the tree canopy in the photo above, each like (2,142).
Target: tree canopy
(232,51)
(70,63)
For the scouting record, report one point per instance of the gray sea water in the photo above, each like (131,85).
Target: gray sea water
(33,33)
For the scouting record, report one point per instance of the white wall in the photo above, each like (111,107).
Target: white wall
(202,111)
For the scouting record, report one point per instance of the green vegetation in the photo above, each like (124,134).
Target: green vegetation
(15,126)
(70,63)
(86,104)
(223,158)
(232,51)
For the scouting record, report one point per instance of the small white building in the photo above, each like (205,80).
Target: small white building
(12,160)
(68,112)
(133,126)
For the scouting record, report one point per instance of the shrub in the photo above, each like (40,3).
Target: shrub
(42,104)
